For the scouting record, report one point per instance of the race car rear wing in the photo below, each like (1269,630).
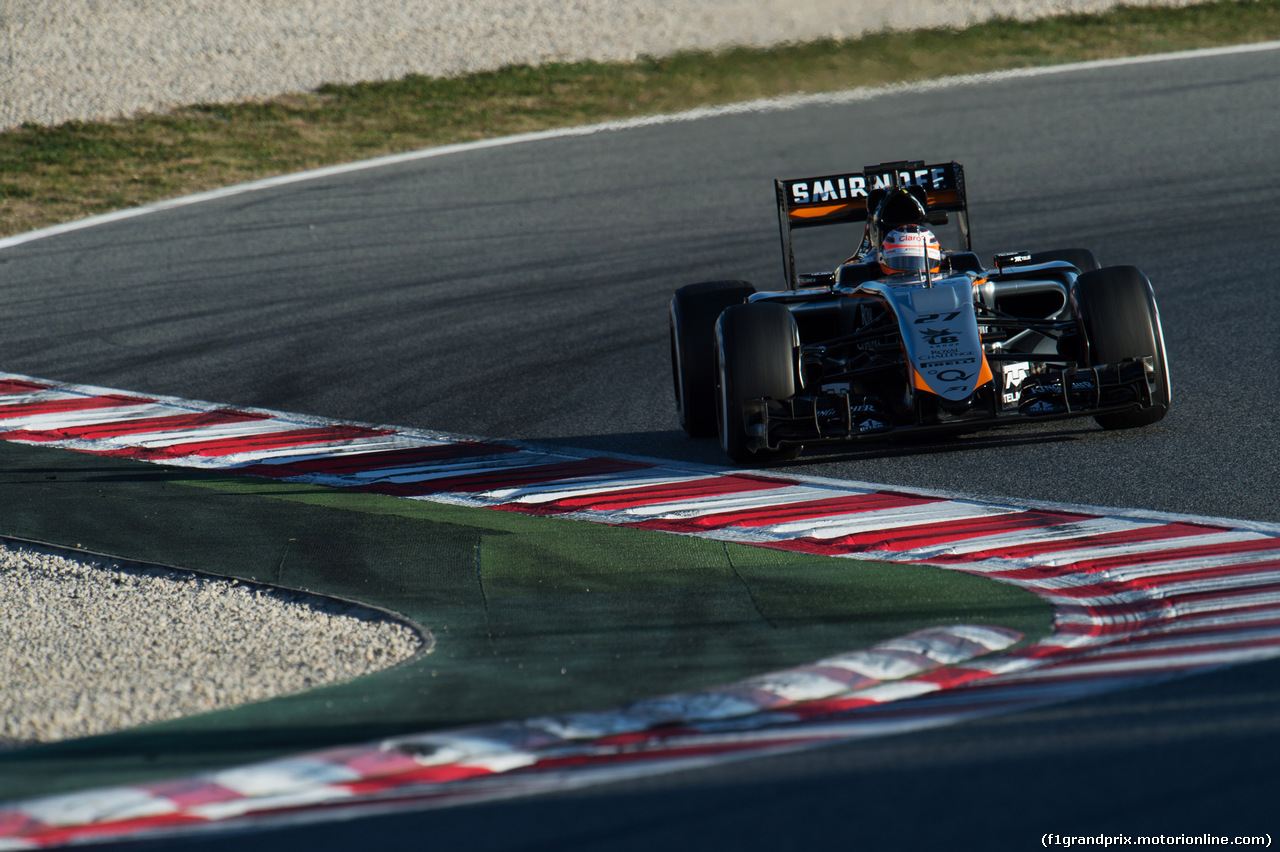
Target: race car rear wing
(833,199)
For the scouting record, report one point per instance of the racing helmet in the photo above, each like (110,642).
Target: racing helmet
(909,248)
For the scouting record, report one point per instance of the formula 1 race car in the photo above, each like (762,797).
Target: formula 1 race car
(908,337)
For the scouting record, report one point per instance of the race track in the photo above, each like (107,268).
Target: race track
(520,292)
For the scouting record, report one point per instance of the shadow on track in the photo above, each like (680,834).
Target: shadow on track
(675,445)
(997,783)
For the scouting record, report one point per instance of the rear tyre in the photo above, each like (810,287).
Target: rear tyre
(1081,259)
(694,310)
(1121,320)
(755,358)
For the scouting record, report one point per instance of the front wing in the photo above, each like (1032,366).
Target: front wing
(1051,394)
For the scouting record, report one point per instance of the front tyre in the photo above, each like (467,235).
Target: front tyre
(1121,320)
(693,314)
(755,359)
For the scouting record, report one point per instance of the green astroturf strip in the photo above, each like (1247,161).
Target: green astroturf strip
(531,615)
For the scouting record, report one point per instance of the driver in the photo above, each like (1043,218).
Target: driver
(909,249)
(888,211)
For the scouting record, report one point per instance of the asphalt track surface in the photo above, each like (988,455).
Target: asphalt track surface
(520,292)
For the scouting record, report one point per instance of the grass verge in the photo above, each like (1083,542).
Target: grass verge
(56,174)
(530,615)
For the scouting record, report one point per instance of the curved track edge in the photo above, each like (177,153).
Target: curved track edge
(1137,597)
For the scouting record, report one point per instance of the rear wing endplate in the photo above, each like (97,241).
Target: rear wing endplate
(833,199)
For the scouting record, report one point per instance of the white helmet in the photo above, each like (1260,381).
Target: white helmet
(909,248)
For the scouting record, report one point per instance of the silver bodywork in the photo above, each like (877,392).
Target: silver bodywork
(939,330)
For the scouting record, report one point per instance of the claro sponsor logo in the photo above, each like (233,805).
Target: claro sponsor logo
(855,186)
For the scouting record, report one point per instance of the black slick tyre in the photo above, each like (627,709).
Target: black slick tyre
(1121,320)
(694,311)
(1081,259)
(755,359)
